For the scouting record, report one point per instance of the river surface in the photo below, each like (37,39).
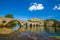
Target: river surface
(41,30)
(33,33)
(49,31)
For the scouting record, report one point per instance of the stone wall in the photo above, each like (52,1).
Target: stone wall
(36,25)
(6,31)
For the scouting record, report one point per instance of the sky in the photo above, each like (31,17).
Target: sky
(27,9)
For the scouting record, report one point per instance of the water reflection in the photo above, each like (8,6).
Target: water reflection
(50,31)
(15,25)
(25,26)
(37,29)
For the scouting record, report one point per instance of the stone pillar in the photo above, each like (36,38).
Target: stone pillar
(35,27)
(32,28)
(22,28)
(38,28)
(28,26)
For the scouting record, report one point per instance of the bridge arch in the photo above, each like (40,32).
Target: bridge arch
(37,25)
(25,26)
(31,25)
(14,24)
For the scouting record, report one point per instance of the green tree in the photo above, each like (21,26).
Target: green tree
(9,16)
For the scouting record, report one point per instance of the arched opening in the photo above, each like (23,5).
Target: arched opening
(30,26)
(34,25)
(25,26)
(37,25)
(3,21)
(15,25)
(1,25)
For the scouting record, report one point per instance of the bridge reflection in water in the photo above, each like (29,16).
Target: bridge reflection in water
(37,28)
(50,31)
(33,27)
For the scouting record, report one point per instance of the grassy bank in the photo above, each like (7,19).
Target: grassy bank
(58,37)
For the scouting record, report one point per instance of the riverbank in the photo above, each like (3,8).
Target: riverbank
(58,37)
(26,36)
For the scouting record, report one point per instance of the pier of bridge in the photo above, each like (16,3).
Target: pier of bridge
(30,25)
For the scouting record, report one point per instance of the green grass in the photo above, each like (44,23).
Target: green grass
(58,37)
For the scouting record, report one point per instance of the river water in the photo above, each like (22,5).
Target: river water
(49,31)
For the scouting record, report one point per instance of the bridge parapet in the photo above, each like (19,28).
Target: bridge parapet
(29,25)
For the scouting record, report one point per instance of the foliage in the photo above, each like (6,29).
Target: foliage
(9,16)
(58,37)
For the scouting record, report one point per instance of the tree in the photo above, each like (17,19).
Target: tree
(9,16)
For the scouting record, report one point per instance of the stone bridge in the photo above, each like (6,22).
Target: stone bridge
(33,25)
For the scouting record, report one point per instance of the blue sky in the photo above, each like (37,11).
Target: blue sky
(27,9)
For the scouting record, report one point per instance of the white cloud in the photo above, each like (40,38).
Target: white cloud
(36,6)
(57,7)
